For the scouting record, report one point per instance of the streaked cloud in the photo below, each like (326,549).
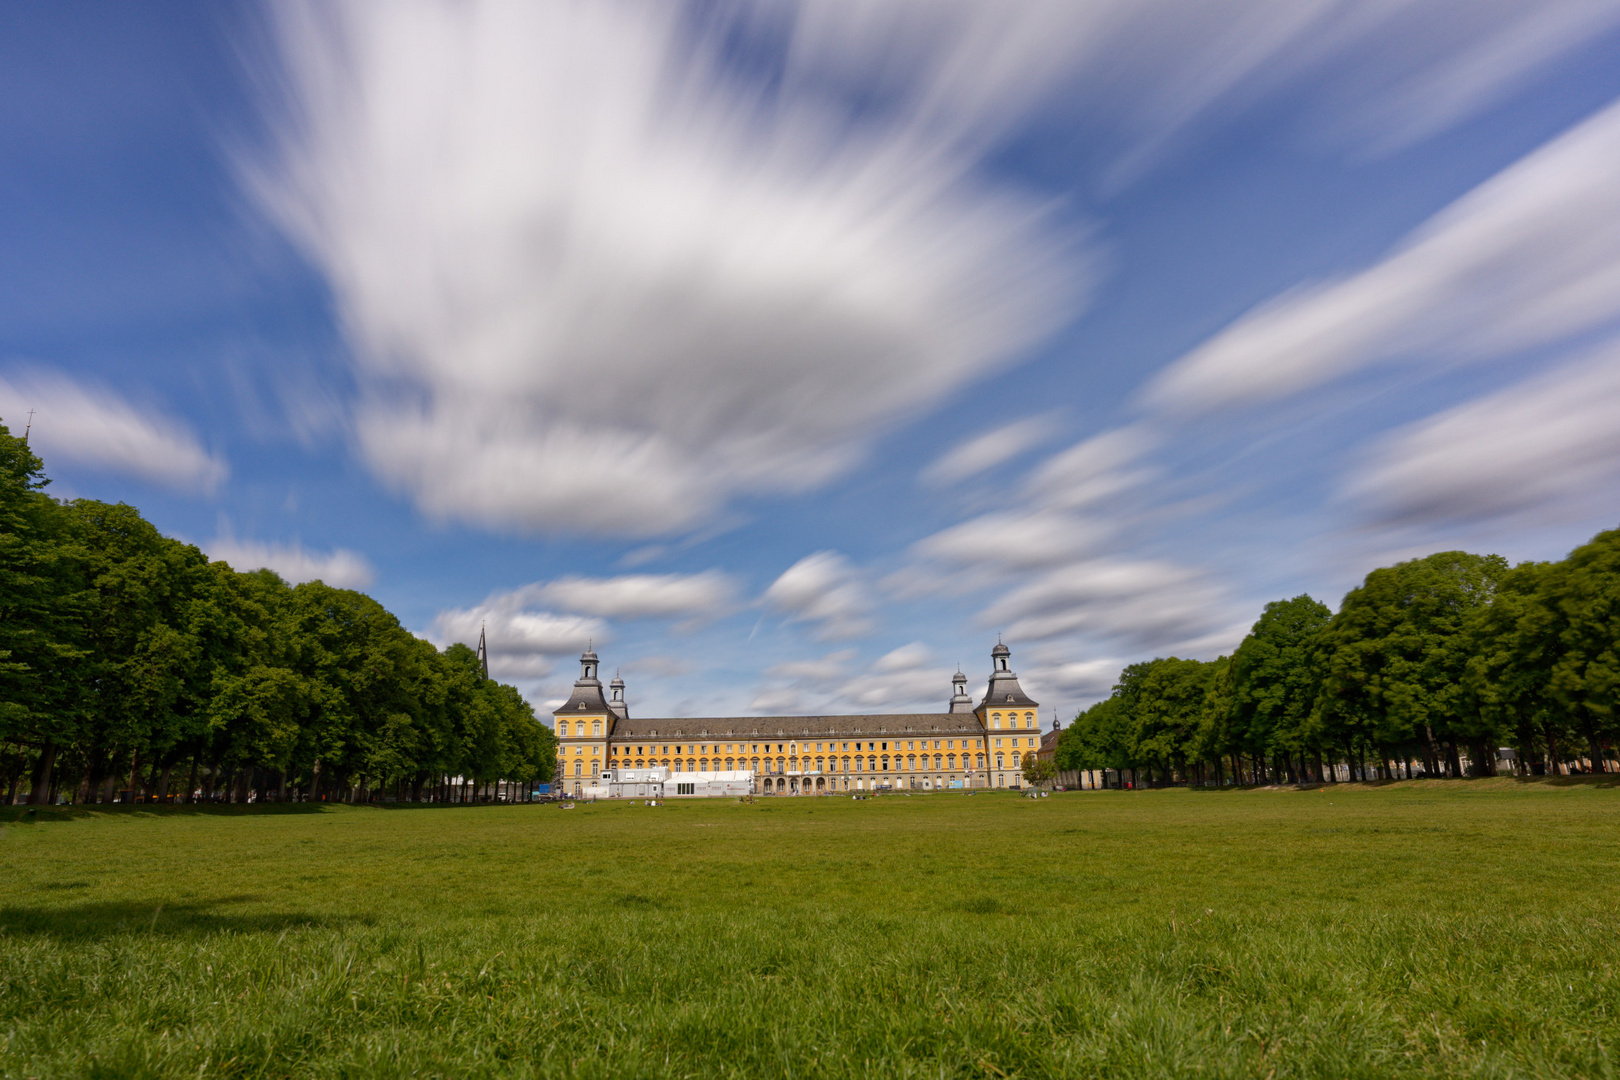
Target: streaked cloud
(596,282)
(1150,603)
(523,643)
(340,567)
(1547,446)
(988,450)
(824,590)
(78,423)
(639,596)
(907,677)
(1529,258)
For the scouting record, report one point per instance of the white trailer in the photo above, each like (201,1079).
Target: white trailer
(710,785)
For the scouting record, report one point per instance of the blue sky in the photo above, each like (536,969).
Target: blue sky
(793,351)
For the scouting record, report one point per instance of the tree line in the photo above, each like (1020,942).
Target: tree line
(1426,669)
(129,663)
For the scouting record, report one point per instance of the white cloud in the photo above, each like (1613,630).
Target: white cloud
(823,589)
(824,669)
(988,450)
(92,426)
(1017,540)
(1144,602)
(522,642)
(340,567)
(639,596)
(1530,257)
(1101,467)
(903,678)
(596,282)
(1548,446)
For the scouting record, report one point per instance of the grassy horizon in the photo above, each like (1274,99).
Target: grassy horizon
(1420,927)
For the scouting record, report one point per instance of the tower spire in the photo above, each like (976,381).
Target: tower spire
(483,652)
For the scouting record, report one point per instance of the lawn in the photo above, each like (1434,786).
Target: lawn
(1427,928)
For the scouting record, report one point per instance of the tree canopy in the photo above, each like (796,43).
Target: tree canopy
(126,655)
(1428,668)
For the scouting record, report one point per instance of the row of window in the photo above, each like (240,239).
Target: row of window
(1012,720)
(577,729)
(876,763)
(793,753)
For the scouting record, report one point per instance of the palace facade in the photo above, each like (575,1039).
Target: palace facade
(966,746)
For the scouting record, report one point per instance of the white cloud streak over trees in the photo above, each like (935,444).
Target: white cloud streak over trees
(340,568)
(95,427)
(1549,445)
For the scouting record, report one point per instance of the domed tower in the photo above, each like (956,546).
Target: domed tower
(1010,721)
(616,700)
(584,724)
(960,702)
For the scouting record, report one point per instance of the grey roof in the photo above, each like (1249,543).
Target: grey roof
(587,693)
(1005,693)
(879,725)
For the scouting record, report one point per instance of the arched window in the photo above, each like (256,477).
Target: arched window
(885,762)
(730,765)
(1029,719)
(999,764)
(950,761)
(781,765)
(911,762)
(846,764)
(978,760)
(677,765)
(562,729)
(995,720)
(579,768)
(755,764)
(596,727)
(938,762)
(821,764)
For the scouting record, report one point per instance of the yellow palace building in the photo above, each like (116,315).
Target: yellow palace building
(966,746)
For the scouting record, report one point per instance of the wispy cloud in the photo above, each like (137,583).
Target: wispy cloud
(988,450)
(597,282)
(1528,258)
(339,568)
(1548,446)
(824,590)
(92,426)
(639,596)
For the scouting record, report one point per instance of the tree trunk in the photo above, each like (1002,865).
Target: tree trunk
(39,788)
(1453,758)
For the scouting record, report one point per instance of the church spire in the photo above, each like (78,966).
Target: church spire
(483,652)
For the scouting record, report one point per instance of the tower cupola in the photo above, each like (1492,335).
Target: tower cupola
(616,700)
(1004,691)
(960,702)
(587,696)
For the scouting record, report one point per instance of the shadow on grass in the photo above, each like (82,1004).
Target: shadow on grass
(28,814)
(1454,783)
(92,922)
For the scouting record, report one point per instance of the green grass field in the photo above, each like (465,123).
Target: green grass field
(1416,929)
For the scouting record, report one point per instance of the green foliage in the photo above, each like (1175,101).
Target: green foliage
(1421,929)
(1426,662)
(1273,682)
(124,654)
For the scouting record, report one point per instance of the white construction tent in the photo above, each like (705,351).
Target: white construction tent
(661,783)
